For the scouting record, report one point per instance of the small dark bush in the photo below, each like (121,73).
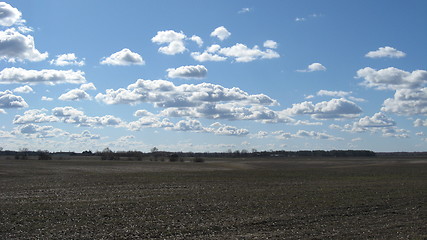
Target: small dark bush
(198,160)
(174,157)
(44,155)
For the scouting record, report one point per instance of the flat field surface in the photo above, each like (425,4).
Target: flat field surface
(294,198)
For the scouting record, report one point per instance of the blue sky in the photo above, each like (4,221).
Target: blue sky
(213,75)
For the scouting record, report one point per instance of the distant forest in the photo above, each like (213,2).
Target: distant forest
(157,155)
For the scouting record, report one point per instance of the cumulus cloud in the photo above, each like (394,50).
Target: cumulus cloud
(44,98)
(420,123)
(188,72)
(67,59)
(378,123)
(377,120)
(392,78)
(242,53)
(15,46)
(35,131)
(150,122)
(335,108)
(46,76)
(85,135)
(66,112)
(9,15)
(78,93)
(23,89)
(207,57)
(197,40)
(73,116)
(166,94)
(34,116)
(222,129)
(124,57)
(88,86)
(74,95)
(221,33)
(386,52)
(204,100)
(270,44)
(174,40)
(9,100)
(313,68)
(407,102)
(186,125)
(142,113)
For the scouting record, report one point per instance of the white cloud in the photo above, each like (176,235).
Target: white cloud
(307,123)
(188,72)
(85,135)
(420,123)
(66,112)
(36,131)
(174,40)
(5,134)
(386,52)
(313,68)
(192,125)
(9,100)
(335,108)
(34,116)
(74,95)
(378,123)
(221,33)
(242,53)
(74,116)
(333,93)
(206,56)
(150,122)
(204,100)
(244,10)
(260,135)
(23,89)
(188,125)
(67,59)
(9,15)
(392,78)
(167,94)
(213,48)
(270,44)
(124,57)
(17,47)
(305,134)
(46,76)
(44,98)
(222,129)
(142,113)
(377,120)
(407,102)
(88,86)
(197,40)
(311,16)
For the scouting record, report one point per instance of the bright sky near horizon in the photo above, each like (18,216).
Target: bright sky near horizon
(210,76)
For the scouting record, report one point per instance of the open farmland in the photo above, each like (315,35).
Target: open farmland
(293,198)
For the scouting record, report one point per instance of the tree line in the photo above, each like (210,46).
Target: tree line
(156,155)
